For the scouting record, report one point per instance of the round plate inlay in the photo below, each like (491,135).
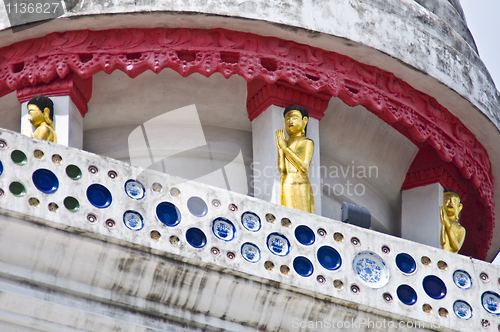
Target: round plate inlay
(370,269)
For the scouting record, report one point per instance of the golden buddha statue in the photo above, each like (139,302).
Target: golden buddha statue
(41,116)
(294,158)
(452,233)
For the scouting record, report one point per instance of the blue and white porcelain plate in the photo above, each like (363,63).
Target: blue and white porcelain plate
(223,229)
(133,220)
(462,279)
(134,189)
(462,309)
(250,252)
(370,269)
(491,302)
(251,221)
(278,244)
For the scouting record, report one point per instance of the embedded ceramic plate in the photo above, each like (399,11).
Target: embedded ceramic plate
(250,252)
(223,229)
(168,214)
(462,279)
(134,189)
(491,302)
(304,235)
(406,263)
(133,220)
(99,196)
(370,269)
(45,181)
(196,238)
(278,244)
(197,206)
(303,266)
(462,309)
(251,221)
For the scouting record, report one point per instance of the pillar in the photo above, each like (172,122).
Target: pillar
(70,96)
(420,216)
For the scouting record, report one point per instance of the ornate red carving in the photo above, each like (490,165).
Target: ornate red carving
(79,90)
(261,95)
(413,113)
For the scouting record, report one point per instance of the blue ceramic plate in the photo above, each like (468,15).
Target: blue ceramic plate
(406,263)
(278,244)
(329,258)
(406,294)
(99,196)
(45,181)
(223,229)
(134,189)
(491,302)
(168,214)
(250,221)
(434,287)
(462,309)
(133,220)
(303,266)
(250,252)
(370,269)
(462,279)
(196,238)
(304,235)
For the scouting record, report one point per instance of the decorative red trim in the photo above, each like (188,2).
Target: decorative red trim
(79,90)
(261,95)
(133,51)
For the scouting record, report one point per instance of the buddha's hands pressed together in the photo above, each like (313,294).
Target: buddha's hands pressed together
(280,139)
(445,221)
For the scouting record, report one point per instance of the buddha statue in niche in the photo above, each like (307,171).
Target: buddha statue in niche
(41,116)
(294,158)
(452,233)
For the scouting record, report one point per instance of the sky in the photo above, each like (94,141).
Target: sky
(483,19)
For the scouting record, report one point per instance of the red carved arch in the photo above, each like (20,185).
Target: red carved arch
(133,51)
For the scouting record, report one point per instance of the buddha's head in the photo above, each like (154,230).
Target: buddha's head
(40,109)
(296,118)
(452,204)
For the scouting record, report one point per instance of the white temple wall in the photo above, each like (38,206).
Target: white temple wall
(364,161)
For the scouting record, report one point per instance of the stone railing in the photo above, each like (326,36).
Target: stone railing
(101,198)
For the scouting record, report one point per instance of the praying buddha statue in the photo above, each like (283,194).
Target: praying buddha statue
(294,158)
(452,233)
(41,116)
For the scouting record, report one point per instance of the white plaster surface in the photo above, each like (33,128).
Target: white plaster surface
(266,178)
(363,161)
(420,216)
